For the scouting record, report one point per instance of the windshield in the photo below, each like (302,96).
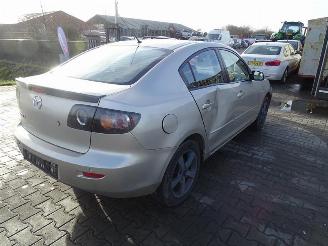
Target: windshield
(112,64)
(263,50)
(214,36)
(289,27)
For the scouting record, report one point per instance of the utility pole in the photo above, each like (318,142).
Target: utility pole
(43,18)
(116,24)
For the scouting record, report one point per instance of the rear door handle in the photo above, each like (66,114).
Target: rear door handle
(207,105)
(240,94)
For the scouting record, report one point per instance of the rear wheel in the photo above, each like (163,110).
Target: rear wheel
(258,124)
(284,76)
(181,174)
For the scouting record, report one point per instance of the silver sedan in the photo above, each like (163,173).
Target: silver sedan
(129,119)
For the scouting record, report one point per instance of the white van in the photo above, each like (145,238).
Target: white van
(221,36)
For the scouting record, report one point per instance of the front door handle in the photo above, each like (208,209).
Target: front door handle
(207,105)
(240,94)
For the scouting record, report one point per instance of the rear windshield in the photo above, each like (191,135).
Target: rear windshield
(113,64)
(263,50)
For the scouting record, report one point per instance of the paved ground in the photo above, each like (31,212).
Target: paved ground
(269,188)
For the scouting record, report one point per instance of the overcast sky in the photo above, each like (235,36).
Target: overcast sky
(204,14)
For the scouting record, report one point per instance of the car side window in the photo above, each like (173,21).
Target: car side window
(237,71)
(206,70)
(186,73)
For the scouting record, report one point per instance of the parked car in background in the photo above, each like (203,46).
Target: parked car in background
(245,43)
(197,34)
(275,59)
(260,37)
(126,38)
(178,35)
(186,34)
(237,43)
(250,41)
(220,36)
(297,45)
(128,119)
(155,37)
(197,38)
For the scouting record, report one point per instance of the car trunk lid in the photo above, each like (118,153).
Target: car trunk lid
(46,100)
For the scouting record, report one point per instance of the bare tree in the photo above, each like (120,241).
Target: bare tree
(246,31)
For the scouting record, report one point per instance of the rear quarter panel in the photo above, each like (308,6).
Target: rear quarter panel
(158,93)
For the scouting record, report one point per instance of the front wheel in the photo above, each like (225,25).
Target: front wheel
(258,124)
(181,174)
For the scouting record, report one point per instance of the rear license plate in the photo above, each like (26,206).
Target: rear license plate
(46,166)
(255,63)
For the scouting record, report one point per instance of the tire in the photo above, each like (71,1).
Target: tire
(179,180)
(258,124)
(284,76)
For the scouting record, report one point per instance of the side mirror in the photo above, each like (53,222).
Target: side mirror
(257,75)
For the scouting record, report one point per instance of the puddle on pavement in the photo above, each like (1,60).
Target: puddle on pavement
(306,107)
(300,89)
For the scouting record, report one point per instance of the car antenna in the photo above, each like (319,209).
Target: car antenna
(138,40)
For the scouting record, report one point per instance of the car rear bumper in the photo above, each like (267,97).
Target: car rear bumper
(273,76)
(127,174)
(270,73)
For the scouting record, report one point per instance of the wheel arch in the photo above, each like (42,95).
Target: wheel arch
(200,141)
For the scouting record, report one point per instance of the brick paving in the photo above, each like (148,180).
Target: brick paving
(268,188)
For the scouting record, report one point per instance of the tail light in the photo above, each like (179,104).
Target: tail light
(274,63)
(114,121)
(81,116)
(102,120)
(93,175)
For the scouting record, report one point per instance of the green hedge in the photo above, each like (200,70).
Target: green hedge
(11,70)
(41,52)
(7,82)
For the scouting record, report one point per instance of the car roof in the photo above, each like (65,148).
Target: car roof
(280,44)
(170,44)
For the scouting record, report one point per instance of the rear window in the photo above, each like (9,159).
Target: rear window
(113,64)
(263,50)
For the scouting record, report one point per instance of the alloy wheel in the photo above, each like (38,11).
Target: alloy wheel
(184,173)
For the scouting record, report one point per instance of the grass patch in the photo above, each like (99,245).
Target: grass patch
(7,82)
(11,70)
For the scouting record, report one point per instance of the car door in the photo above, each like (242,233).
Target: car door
(246,94)
(202,73)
